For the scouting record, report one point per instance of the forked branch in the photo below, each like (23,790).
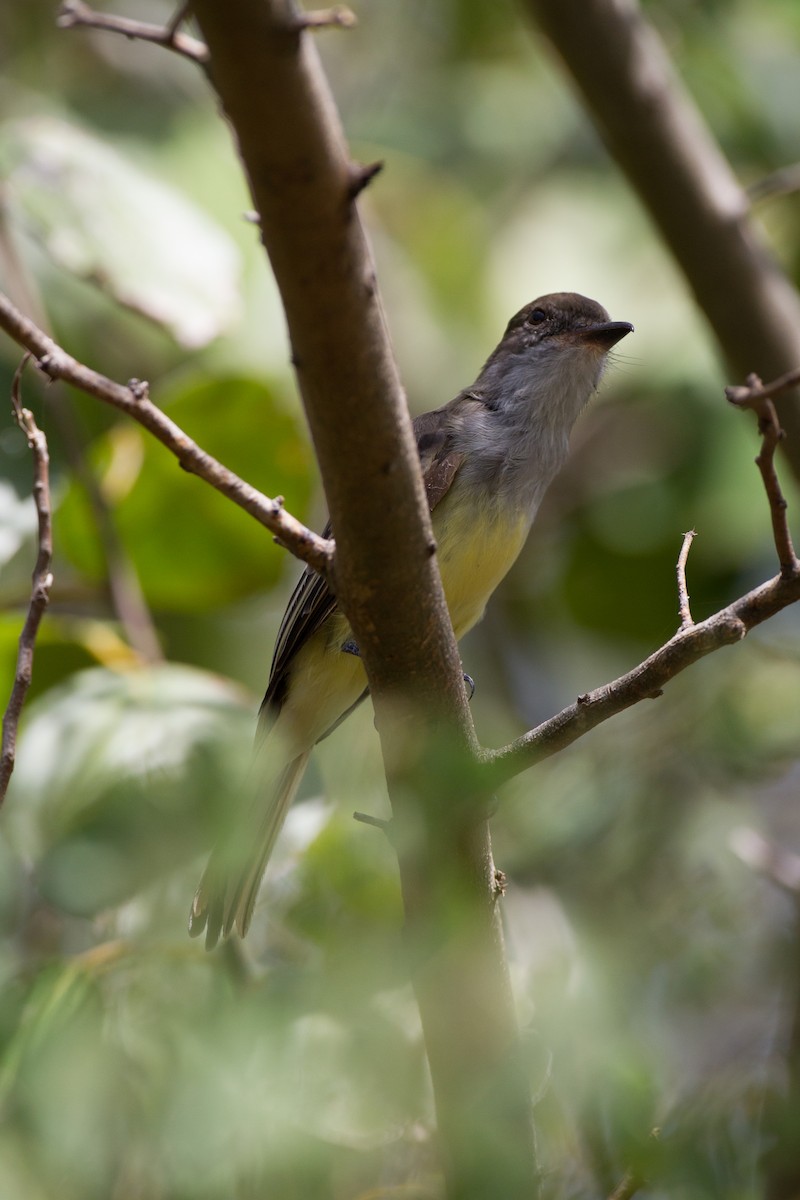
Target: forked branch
(693,640)
(74,14)
(133,399)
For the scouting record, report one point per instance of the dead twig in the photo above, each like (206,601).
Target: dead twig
(41,583)
(74,14)
(134,400)
(680,570)
(758,397)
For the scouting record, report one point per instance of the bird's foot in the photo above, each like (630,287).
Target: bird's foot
(351,647)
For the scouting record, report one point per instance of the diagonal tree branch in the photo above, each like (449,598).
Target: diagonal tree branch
(42,579)
(75,14)
(133,400)
(693,641)
(644,682)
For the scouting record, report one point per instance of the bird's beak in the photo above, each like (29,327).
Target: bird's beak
(605,335)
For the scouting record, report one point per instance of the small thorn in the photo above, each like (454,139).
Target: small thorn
(470,682)
(361,176)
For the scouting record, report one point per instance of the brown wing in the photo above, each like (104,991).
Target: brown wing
(437,458)
(312,601)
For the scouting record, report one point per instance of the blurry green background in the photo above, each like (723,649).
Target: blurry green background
(652,964)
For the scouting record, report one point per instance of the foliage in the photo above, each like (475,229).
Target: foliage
(650,962)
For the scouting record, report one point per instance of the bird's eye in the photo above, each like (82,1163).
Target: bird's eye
(537,316)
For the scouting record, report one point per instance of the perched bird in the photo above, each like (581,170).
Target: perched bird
(487,458)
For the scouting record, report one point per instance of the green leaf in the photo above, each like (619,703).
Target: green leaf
(107,221)
(193,549)
(120,777)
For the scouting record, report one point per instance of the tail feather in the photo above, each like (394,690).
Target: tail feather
(226,897)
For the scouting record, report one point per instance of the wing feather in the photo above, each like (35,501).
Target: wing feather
(312,601)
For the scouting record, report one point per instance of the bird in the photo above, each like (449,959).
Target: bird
(487,458)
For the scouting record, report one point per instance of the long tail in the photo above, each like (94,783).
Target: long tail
(227,893)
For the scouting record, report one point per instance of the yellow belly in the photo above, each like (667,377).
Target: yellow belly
(475,553)
(477,548)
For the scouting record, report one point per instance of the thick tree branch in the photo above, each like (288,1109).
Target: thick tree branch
(301,176)
(659,139)
(134,401)
(42,580)
(271,85)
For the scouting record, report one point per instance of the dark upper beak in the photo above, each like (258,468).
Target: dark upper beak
(607,334)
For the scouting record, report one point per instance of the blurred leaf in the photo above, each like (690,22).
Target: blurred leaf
(193,549)
(107,221)
(122,776)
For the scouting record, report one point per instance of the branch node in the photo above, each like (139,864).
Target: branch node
(74,13)
(361,176)
(47,365)
(139,389)
(583,699)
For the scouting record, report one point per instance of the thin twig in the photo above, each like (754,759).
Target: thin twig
(680,570)
(127,597)
(749,396)
(180,15)
(42,579)
(325,18)
(368,819)
(75,13)
(692,641)
(133,400)
(758,397)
